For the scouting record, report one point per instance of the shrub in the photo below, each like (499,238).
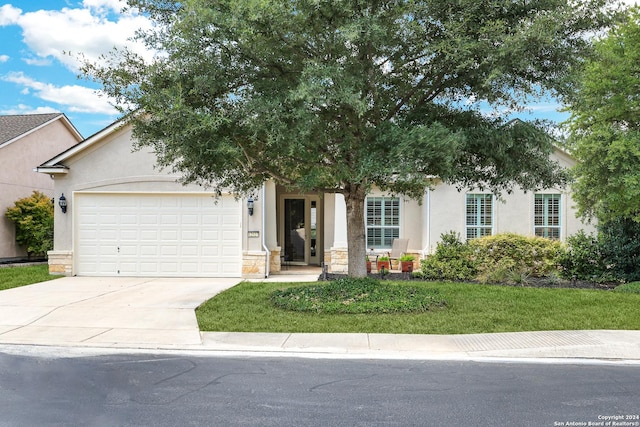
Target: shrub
(512,257)
(452,260)
(504,257)
(610,256)
(33,217)
(620,246)
(356,296)
(633,288)
(583,259)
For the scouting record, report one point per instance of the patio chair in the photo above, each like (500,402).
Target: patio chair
(398,247)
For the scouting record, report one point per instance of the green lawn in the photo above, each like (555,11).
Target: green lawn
(12,277)
(471,308)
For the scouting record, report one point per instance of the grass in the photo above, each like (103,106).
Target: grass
(471,308)
(13,277)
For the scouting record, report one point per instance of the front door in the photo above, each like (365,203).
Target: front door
(299,229)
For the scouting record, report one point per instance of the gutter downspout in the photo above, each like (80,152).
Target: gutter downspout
(264,237)
(425,251)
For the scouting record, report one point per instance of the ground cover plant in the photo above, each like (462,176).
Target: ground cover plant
(13,277)
(357,295)
(470,308)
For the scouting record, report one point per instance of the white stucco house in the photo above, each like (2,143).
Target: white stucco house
(125,217)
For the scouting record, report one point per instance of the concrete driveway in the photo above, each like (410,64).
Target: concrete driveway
(106,311)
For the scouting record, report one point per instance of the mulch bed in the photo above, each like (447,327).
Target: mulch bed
(531,282)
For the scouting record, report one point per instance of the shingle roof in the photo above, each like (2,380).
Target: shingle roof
(14,126)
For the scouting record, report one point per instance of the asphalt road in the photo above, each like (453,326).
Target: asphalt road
(186,390)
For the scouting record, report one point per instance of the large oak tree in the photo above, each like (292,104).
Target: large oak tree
(605,126)
(339,96)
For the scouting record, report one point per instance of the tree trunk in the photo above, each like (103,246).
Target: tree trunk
(354,196)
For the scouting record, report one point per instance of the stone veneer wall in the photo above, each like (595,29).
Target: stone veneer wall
(339,261)
(275,265)
(60,262)
(254,264)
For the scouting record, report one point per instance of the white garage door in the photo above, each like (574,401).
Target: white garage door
(168,235)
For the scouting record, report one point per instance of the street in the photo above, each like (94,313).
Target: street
(187,390)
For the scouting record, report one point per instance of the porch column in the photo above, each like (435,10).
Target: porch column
(339,255)
(340,229)
(271,226)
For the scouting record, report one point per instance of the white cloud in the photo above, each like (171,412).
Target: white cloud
(4,58)
(9,15)
(92,30)
(37,61)
(25,109)
(73,98)
(104,6)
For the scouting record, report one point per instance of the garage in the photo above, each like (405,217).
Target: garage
(157,235)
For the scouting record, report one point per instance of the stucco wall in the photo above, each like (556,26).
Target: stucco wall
(443,209)
(18,178)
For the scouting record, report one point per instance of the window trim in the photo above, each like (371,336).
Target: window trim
(545,215)
(385,199)
(477,226)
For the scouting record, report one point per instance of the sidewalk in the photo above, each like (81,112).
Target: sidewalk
(144,314)
(569,345)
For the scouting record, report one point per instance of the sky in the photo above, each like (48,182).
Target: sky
(40,41)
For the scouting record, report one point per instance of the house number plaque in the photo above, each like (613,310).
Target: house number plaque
(253,234)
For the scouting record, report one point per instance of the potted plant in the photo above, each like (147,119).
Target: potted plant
(406,263)
(368,264)
(383,263)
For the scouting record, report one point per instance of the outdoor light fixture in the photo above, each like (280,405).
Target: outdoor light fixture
(63,203)
(250,205)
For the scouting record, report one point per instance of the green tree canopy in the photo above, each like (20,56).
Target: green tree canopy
(340,96)
(605,126)
(33,217)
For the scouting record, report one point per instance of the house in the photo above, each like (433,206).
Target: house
(125,217)
(25,142)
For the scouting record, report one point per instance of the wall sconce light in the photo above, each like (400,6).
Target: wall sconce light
(250,205)
(62,202)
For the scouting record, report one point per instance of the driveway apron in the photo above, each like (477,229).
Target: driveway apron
(106,311)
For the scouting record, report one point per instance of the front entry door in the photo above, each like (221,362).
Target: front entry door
(299,230)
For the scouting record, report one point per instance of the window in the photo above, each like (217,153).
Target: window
(479,215)
(383,221)
(546,216)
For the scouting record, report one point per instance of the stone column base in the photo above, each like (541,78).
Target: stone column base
(339,261)
(60,262)
(254,265)
(275,266)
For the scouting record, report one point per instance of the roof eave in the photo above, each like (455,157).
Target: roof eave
(52,170)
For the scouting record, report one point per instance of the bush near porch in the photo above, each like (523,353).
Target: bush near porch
(501,258)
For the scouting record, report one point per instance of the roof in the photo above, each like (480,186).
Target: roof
(56,165)
(14,127)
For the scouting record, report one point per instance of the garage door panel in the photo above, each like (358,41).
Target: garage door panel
(157,235)
(148,235)
(148,250)
(169,236)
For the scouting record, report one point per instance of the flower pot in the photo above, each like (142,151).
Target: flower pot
(368,266)
(406,266)
(384,265)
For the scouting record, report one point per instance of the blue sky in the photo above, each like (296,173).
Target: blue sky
(40,41)
(38,64)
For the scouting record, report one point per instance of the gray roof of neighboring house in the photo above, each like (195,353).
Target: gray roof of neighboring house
(13,126)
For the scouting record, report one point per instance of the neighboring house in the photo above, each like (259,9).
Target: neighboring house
(125,217)
(25,142)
